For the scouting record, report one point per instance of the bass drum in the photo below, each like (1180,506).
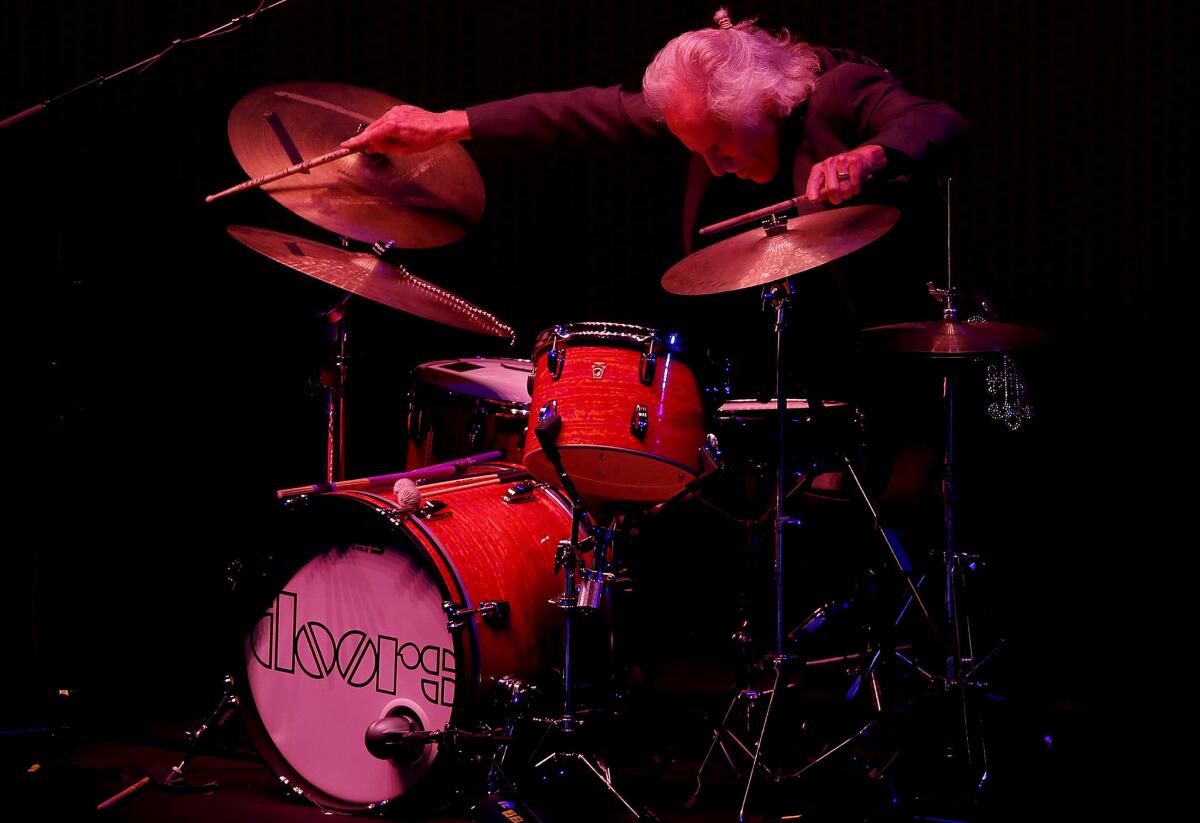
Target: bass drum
(356,626)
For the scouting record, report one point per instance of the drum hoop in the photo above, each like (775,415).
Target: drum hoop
(518,408)
(692,470)
(624,335)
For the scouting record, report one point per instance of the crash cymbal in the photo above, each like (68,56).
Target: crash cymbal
(954,339)
(416,201)
(368,276)
(754,258)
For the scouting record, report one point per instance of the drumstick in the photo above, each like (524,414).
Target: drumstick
(124,793)
(447,469)
(766,211)
(460,484)
(276,175)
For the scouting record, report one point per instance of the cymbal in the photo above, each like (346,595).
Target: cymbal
(754,258)
(417,201)
(368,276)
(954,339)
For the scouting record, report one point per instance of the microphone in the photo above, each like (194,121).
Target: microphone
(392,738)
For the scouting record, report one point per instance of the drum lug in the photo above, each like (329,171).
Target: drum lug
(555,359)
(639,421)
(522,492)
(547,410)
(646,368)
(434,510)
(493,612)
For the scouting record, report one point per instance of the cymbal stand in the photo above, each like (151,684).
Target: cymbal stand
(333,382)
(961,664)
(778,296)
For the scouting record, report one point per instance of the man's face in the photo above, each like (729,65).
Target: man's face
(749,149)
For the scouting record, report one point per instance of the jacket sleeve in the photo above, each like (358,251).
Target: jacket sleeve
(587,117)
(867,104)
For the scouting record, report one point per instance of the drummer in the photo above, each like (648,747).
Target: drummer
(762,107)
(781,116)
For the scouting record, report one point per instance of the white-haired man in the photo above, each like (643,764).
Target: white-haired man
(744,101)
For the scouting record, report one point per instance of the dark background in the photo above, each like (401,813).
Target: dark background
(160,383)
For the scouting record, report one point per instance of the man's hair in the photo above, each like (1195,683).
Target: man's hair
(734,71)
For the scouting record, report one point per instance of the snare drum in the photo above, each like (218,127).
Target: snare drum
(360,621)
(467,406)
(632,423)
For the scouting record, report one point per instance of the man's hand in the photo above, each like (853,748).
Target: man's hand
(840,177)
(410,130)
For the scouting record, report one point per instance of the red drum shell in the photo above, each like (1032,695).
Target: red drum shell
(358,630)
(596,394)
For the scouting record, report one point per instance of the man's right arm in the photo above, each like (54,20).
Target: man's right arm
(587,117)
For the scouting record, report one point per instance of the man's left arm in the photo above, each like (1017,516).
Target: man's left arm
(890,131)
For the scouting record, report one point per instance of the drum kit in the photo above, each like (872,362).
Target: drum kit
(406,620)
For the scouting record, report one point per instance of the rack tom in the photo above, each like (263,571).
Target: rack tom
(632,422)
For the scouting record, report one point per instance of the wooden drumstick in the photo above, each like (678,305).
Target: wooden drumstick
(277,175)
(124,793)
(447,469)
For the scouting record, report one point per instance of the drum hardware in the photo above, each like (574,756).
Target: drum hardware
(950,342)
(582,594)
(770,257)
(175,778)
(494,612)
(433,510)
(639,421)
(710,467)
(556,358)
(400,738)
(333,382)
(520,493)
(646,368)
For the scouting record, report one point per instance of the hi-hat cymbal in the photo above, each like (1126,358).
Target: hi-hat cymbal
(417,201)
(954,339)
(368,276)
(754,258)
